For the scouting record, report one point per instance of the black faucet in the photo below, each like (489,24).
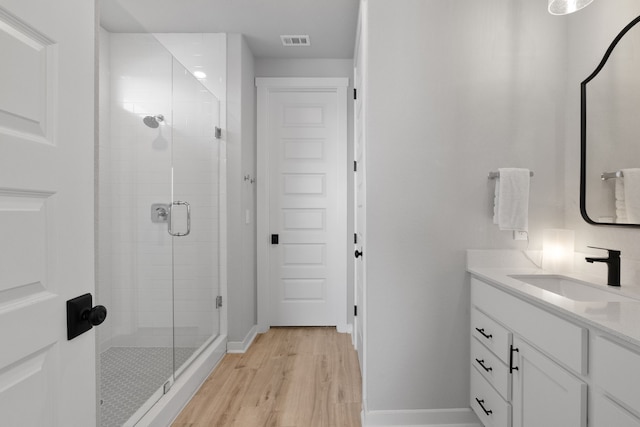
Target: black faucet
(613,265)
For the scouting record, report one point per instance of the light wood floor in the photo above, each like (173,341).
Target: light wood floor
(289,377)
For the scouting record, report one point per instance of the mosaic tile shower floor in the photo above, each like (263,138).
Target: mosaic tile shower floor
(130,375)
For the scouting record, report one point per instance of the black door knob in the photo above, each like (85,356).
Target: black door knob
(96,315)
(358,253)
(82,315)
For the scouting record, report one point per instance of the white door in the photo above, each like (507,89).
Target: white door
(544,394)
(303,129)
(360,199)
(46,210)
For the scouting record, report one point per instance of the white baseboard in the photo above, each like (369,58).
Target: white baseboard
(345,329)
(455,417)
(243,346)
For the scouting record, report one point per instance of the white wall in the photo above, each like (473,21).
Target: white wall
(590,33)
(249,167)
(266,67)
(241,161)
(104,294)
(456,89)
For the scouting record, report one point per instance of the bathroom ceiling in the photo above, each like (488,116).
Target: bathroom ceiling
(330,24)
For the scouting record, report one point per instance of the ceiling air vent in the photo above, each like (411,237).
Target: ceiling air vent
(295,40)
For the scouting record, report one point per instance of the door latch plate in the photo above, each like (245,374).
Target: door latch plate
(75,307)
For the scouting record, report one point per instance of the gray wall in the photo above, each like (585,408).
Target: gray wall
(456,89)
(324,68)
(241,161)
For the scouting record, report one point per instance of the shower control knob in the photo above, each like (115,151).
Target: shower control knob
(96,315)
(358,253)
(162,213)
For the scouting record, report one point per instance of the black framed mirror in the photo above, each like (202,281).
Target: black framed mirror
(610,135)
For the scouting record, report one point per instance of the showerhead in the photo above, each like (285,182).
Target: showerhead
(153,121)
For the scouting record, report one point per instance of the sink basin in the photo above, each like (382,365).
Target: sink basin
(570,288)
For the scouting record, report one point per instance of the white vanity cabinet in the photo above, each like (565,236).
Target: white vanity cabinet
(607,412)
(615,371)
(544,394)
(531,363)
(490,378)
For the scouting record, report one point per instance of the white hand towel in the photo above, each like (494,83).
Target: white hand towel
(513,199)
(632,194)
(621,206)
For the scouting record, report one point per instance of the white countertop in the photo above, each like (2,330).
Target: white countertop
(619,318)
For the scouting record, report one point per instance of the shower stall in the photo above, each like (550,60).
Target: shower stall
(159,212)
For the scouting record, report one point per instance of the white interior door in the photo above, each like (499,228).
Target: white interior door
(46,210)
(360,211)
(360,193)
(304,129)
(305,264)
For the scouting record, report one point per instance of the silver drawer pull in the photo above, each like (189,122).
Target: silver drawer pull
(481,403)
(484,334)
(481,363)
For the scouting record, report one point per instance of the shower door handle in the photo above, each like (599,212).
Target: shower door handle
(188,206)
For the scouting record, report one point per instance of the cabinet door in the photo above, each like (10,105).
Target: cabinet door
(607,413)
(544,394)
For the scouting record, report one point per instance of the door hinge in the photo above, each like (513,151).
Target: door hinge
(355,238)
(355,93)
(355,166)
(355,310)
(166,387)
(219,301)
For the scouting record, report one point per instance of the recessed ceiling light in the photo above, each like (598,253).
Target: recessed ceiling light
(299,40)
(199,74)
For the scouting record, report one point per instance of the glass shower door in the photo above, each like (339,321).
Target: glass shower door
(158,224)
(135,252)
(195,216)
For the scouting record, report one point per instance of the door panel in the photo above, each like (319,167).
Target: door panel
(27,83)
(304,219)
(306,269)
(544,394)
(46,211)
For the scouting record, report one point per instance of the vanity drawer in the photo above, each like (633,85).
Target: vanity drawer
(491,368)
(562,340)
(616,370)
(492,410)
(491,334)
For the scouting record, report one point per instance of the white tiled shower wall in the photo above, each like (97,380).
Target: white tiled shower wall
(136,278)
